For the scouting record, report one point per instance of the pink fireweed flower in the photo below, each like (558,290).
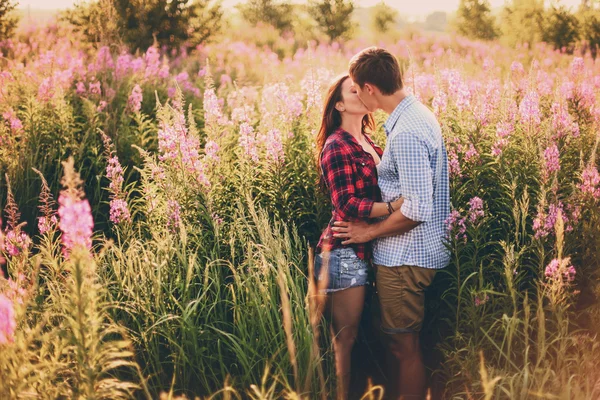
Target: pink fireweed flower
(456,223)
(152,58)
(590,182)
(248,142)
(119,211)
(274,146)
(504,129)
(104,59)
(101,106)
(8,323)
(566,90)
(95,88)
(114,172)
(124,64)
(46,90)
(552,158)
(164,71)
(471,155)
(475,209)
(16,242)
(242,114)
(577,67)
(543,224)
(529,108)
(516,68)
(211,149)
(13,121)
(80,88)
(46,224)
(212,107)
(560,269)
(76,222)
(498,147)
(562,122)
(454,164)
(174,217)
(440,103)
(134,103)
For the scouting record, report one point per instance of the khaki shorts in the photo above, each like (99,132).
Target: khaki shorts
(401,292)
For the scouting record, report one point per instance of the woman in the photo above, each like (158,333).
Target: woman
(348,160)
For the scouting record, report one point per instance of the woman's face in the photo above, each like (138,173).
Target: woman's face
(351,103)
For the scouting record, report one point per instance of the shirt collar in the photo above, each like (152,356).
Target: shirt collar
(393,118)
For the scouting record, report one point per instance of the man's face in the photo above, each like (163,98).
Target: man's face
(366,95)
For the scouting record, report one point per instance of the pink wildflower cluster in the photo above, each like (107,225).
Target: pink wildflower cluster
(552,160)
(456,223)
(274,146)
(174,217)
(248,142)
(174,141)
(119,210)
(560,269)
(76,222)
(13,121)
(590,182)
(543,223)
(8,323)
(529,109)
(134,103)
(503,132)
(562,122)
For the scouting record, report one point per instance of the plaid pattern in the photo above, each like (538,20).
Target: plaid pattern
(350,174)
(415,166)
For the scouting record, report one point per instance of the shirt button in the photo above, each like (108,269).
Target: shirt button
(363,163)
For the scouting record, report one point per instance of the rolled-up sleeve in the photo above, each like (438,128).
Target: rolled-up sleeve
(411,157)
(337,164)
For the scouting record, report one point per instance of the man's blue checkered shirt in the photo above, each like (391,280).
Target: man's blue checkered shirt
(415,166)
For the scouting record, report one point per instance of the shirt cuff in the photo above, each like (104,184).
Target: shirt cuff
(364,208)
(413,210)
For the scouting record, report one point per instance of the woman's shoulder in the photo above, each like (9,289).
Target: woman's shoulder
(336,140)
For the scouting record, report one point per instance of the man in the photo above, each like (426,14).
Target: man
(408,245)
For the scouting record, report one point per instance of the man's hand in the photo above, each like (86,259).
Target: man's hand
(353,232)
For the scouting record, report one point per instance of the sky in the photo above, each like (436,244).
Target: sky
(416,8)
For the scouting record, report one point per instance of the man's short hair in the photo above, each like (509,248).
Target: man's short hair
(378,67)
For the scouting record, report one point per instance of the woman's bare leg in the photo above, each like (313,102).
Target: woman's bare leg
(344,310)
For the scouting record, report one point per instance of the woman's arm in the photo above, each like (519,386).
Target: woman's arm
(381,209)
(336,164)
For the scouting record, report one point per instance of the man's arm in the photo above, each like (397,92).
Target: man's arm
(411,156)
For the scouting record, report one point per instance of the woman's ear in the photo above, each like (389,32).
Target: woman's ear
(340,106)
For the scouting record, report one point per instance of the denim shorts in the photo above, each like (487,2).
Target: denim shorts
(345,270)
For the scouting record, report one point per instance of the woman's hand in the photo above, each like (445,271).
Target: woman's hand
(397,203)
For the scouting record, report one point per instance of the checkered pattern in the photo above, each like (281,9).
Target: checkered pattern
(351,177)
(415,166)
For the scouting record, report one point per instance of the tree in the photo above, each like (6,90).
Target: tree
(475,21)
(561,28)
(139,23)
(333,17)
(383,17)
(278,15)
(8,20)
(589,20)
(436,21)
(523,21)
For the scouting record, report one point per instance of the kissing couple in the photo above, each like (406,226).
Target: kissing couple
(388,213)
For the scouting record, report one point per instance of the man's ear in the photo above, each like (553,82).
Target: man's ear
(369,89)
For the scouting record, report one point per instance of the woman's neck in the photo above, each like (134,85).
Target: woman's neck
(353,125)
